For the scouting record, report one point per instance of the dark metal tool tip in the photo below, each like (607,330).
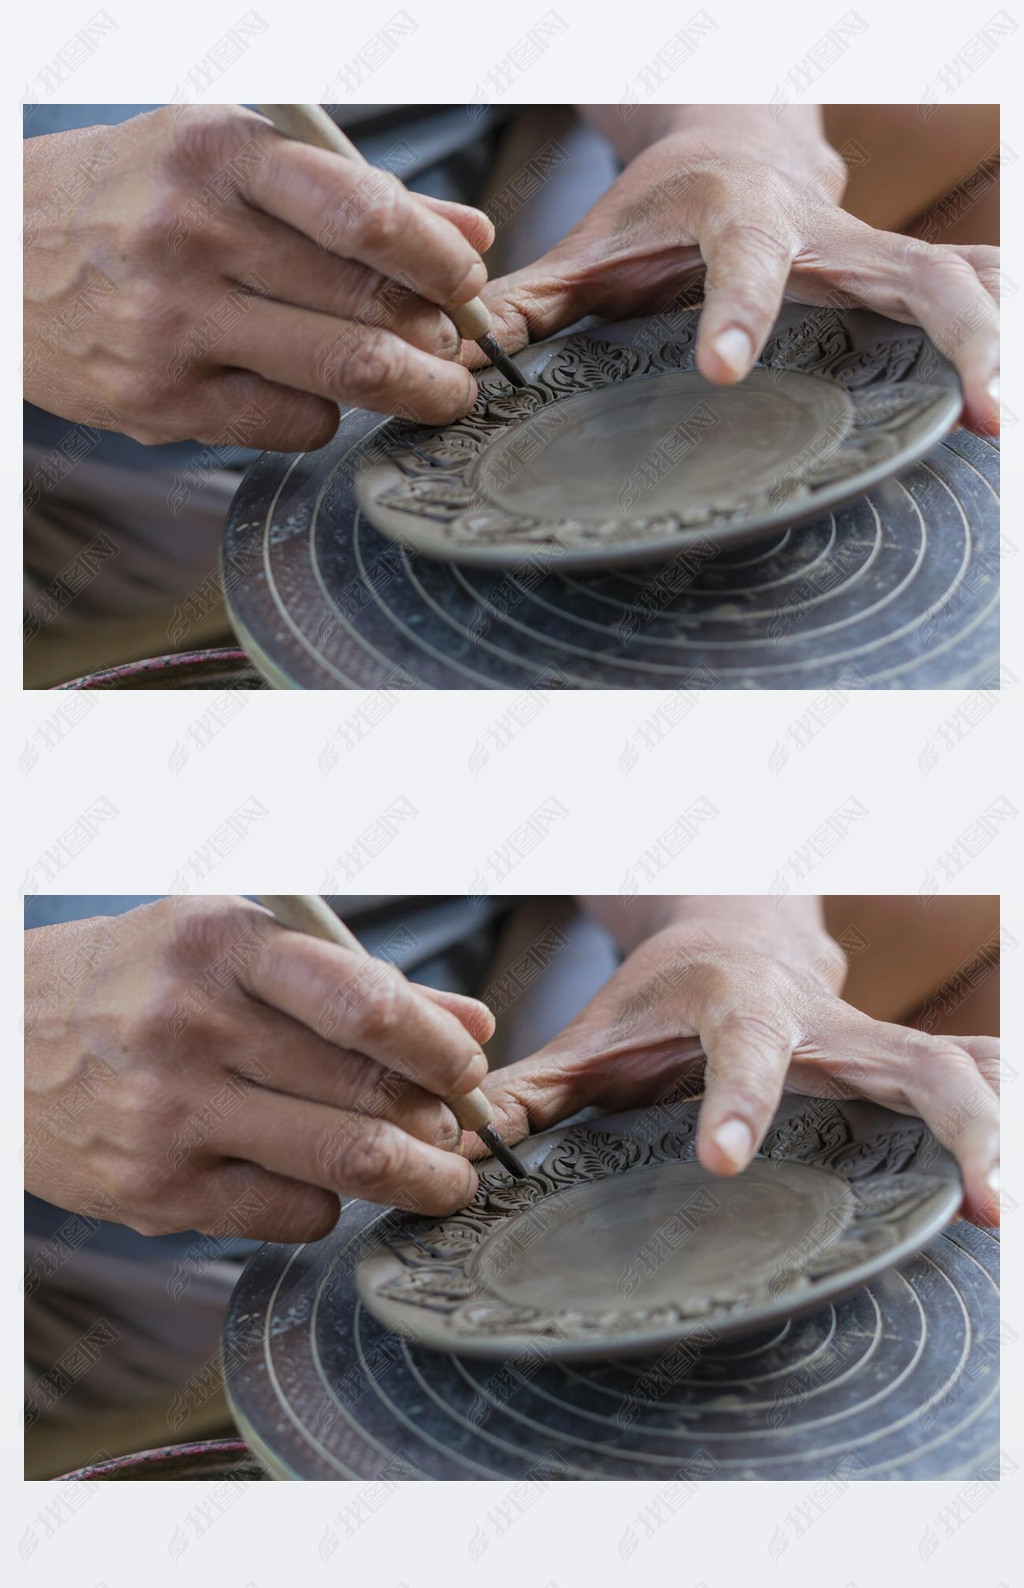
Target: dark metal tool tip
(501,361)
(505,1156)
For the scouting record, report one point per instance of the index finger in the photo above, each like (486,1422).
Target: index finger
(354,1001)
(361,212)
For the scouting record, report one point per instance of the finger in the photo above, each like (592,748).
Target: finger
(352,364)
(239,1199)
(287,1058)
(360,212)
(474,1015)
(293,270)
(985,1053)
(960,1109)
(748,264)
(747,1060)
(346,1153)
(365,1004)
(537,1092)
(531,304)
(984,261)
(476,227)
(945,296)
(234,407)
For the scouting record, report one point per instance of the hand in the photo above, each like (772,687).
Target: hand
(768,229)
(194,1065)
(218,282)
(765,1027)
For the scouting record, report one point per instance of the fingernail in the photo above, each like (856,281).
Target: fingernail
(735,1139)
(992,391)
(992,1181)
(735,349)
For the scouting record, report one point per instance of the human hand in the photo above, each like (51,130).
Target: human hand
(769,230)
(767,1022)
(202,1067)
(218,282)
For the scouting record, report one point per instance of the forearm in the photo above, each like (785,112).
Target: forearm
(791,139)
(791,929)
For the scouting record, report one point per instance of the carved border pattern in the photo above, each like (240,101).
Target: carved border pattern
(437,464)
(887,1174)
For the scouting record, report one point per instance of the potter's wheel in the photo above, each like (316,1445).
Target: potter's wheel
(806,529)
(897,590)
(897,1380)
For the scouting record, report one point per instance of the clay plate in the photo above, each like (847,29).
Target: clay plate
(620,1243)
(620,451)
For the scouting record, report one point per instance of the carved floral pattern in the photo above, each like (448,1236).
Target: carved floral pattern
(438,1256)
(884,382)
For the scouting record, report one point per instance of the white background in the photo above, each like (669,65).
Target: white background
(127,749)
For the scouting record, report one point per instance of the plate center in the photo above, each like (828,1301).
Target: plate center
(648,445)
(664,1233)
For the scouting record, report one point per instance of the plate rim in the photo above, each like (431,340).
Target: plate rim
(938,422)
(727,1325)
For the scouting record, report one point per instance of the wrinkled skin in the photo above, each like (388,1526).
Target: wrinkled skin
(767,229)
(762,1005)
(190,274)
(212,280)
(193,1065)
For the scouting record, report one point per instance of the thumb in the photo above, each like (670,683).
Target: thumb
(530,305)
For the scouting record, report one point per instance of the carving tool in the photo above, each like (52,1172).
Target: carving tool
(309,913)
(311,124)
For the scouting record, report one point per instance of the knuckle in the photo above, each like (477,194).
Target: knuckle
(761,1029)
(380,1004)
(374,211)
(441,404)
(761,241)
(430,329)
(196,931)
(148,1096)
(935,262)
(206,920)
(920,1047)
(756,1051)
(363,1086)
(448,1131)
(131,1184)
(197,138)
(365,369)
(352,289)
(369,1159)
(709,981)
(447,340)
(131,394)
(743,298)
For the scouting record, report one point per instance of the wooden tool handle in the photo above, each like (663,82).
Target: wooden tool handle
(311,124)
(309,913)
